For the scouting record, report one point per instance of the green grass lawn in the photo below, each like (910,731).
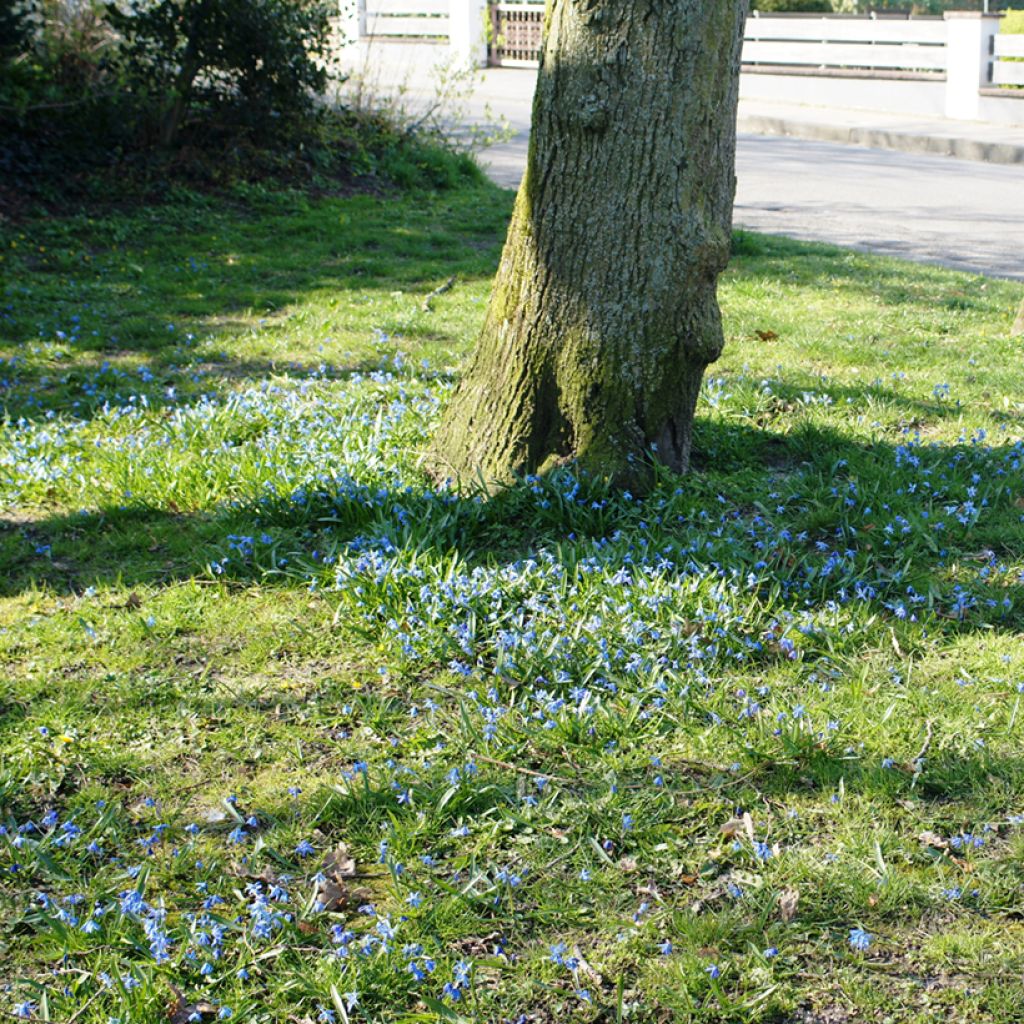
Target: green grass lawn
(288,736)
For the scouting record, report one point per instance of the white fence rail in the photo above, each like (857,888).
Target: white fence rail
(960,57)
(1008,52)
(844,44)
(410,19)
(867,44)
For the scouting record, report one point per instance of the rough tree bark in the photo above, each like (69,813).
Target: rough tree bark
(604,311)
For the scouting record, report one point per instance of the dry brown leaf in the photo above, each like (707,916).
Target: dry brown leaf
(896,645)
(584,967)
(933,840)
(339,863)
(788,900)
(332,894)
(181,1011)
(767,335)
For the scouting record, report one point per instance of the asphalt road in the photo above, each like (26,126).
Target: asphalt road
(933,209)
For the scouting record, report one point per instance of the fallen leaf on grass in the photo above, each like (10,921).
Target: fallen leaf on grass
(337,867)
(332,895)
(181,1011)
(767,335)
(339,863)
(734,826)
(788,900)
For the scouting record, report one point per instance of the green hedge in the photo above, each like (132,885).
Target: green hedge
(792,5)
(85,81)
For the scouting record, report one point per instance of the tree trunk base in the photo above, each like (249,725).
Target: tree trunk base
(604,312)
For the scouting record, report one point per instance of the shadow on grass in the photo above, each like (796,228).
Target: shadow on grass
(738,469)
(233,274)
(894,282)
(149,547)
(229,272)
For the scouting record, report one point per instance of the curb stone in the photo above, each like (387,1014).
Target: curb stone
(882,138)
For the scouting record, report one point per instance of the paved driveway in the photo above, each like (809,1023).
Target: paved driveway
(934,209)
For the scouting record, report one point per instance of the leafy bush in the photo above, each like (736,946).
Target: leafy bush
(376,144)
(258,65)
(17,26)
(1013,22)
(769,6)
(198,92)
(55,89)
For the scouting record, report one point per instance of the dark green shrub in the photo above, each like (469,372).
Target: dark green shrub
(258,65)
(56,92)
(768,6)
(204,93)
(19,22)
(1013,22)
(374,145)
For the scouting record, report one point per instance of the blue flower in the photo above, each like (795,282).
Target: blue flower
(859,939)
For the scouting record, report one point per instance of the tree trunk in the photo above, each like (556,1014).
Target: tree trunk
(604,311)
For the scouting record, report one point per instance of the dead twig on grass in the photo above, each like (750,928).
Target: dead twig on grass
(440,290)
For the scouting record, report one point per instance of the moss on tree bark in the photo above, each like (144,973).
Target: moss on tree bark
(604,312)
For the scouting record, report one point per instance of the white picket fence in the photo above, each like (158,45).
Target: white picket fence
(915,45)
(958,64)
(408,19)
(1008,51)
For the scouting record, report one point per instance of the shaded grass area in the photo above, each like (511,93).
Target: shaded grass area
(590,756)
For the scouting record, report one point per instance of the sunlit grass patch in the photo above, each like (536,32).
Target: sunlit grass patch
(288,732)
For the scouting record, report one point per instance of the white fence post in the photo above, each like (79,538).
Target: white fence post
(467,31)
(351,21)
(969,56)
